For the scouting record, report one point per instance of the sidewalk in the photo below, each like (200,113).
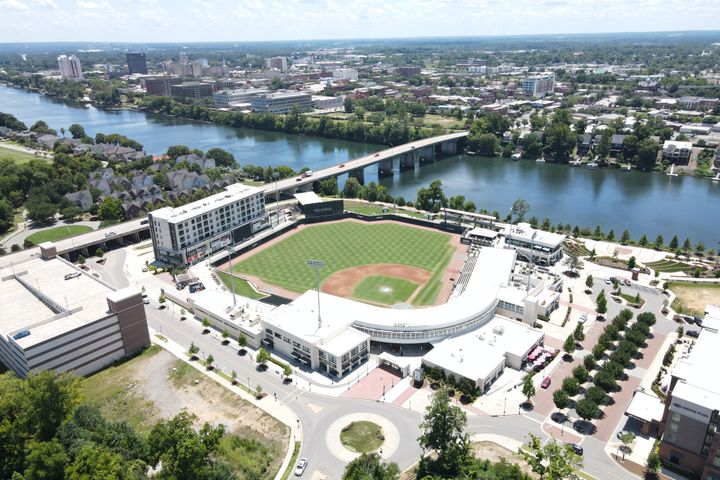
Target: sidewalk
(276,409)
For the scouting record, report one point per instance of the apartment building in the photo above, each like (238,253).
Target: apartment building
(677,152)
(689,429)
(539,85)
(278,63)
(187,234)
(282,102)
(64,319)
(70,67)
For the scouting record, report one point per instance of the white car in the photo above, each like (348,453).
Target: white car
(146,301)
(300,469)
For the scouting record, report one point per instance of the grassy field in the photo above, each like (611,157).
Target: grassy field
(17,157)
(430,291)
(692,298)
(155,385)
(369,288)
(364,208)
(343,245)
(669,266)
(58,233)
(362,436)
(242,287)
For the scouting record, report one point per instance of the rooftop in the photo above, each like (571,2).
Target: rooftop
(83,296)
(308,198)
(232,194)
(526,232)
(697,378)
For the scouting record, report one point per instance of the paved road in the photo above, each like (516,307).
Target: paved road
(20,237)
(317,412)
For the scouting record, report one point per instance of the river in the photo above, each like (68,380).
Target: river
(642,203)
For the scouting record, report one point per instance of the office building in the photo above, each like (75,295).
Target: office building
(282,102)
(70,67)
(160,86)
(192,90)
(227,98)
(689,429)
(539,85)
(677,152)
(322,102)
(345,74)
(409,71)
(538,246)
(62,318)
(187,234)
(277,63)
(136,63)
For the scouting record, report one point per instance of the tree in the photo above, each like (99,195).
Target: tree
(42,128)
(40,209)
(206,324)
(369,466)
(233,375)
(627,439)
(573,262)
(647,152)
(561,399)
(528,389)
(95,461)
(7,215)
(242,341)
(596,394)
(552,460)
(262,357)
(578,334)
(185,453)
(643,241)
(532,145)
(77,131)
(519,208)
(485,144)
(209,361)
(442,430)
(659,242)
(559,142)
(589,362)
(587,409)
(674,243)
(605,380)
(225,335)
(193,350)
(110,210)
(571,386)
(687,245)
(580,373)
(222,158)
(601,303)
(44,460)
(287,371)
(589,282)
(351,188)
(176,151)
(632,263)
(625,238)
(99,252)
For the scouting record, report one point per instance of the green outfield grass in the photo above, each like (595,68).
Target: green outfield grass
(242,287)
(343,245)
(370,288)
(431,289)
(58,233)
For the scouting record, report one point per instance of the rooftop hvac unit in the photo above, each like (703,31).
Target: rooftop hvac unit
(499,329)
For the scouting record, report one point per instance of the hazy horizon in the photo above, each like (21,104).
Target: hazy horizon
(197,21)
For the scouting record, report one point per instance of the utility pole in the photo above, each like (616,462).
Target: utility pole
(317,265)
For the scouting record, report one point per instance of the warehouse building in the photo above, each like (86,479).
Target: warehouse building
(64,319)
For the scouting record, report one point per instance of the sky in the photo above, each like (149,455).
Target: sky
(262,20)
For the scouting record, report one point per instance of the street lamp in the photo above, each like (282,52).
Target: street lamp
(317,265)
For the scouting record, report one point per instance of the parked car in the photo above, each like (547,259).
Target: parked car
(377,155)
(110,234)
(301,466)
(698,321)
(583,318)
(693,333)
(21,334)
(146,301)
(144,222)
(576,448)
(546,382)
(608,281)
(342,165)
(298,179)
(627,282)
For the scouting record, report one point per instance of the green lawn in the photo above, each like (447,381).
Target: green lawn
(369,288)
(669,266)
(343,245)
(17,157)
(431,289)
(364,208)
(58,233)
(362,436)
(242,287)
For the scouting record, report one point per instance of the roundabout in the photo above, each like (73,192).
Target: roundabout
(350,435)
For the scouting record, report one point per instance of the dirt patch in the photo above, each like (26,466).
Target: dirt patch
(343,282)
(694,298)
(494,452)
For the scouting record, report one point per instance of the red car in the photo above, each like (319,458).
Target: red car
(546,382)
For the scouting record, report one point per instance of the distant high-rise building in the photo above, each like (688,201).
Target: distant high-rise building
(539,85)
(136,63)
(409,71)
(279,63)
(70,67)
(160,86)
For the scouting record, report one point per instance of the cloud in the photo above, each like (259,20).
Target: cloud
(46,4)
(14,6)
(89,5)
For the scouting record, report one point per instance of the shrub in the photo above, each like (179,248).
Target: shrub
(596,394)
(561,399)
(571,386)
(605,380)
(580,373)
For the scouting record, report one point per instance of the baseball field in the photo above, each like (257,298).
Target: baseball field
(383,263)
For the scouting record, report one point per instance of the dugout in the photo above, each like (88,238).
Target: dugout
(312,206)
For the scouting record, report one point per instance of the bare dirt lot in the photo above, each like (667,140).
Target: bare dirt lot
(694,297)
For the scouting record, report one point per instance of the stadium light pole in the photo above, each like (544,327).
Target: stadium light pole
(317,265)
(276,175)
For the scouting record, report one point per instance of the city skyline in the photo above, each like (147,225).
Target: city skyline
(225,20)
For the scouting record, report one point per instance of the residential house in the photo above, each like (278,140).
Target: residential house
(82,199)
(585,143)
(616,143)
(677,152)
(194,159)
(48,141)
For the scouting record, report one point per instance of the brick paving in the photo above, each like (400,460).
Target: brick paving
(371,386)
(405,396)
